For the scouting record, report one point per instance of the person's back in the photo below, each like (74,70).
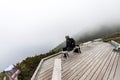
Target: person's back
(70,43)
(70,46)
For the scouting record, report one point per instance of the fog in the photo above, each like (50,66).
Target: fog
(31,27)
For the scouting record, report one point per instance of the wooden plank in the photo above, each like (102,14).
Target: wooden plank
(72,68)
(107,66)
(37,71)
(75,58)
(67,65)
(110,69)
(100,68)
(93,62)
(47,74)
(112,74)
(80,62)
(117,71)
(46,77)
(80,67)
(96,68)
(93,68)
(48,63)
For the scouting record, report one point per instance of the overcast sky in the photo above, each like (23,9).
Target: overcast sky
(29,27)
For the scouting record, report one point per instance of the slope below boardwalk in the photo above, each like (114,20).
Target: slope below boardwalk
(97,62)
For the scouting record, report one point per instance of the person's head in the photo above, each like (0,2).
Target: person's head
(67,37)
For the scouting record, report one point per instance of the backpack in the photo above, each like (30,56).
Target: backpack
(72,42)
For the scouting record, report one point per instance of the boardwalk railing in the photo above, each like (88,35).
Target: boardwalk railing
(40,65)
(116,45)
(57,70)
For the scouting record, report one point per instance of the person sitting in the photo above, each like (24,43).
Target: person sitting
(70,45)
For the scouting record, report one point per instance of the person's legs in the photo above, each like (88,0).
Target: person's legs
(65,54)
(77,50)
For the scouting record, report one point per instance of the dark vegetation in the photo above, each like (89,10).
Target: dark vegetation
(115,37)
(1,76)
(29,65)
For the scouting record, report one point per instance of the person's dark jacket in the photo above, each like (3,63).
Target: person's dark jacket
(70,44)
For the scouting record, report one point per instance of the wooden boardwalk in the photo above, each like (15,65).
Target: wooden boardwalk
(98,61)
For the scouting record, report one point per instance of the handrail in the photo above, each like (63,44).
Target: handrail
(117,45)
(57,70)
(36,71)
(40,64)
(4,78)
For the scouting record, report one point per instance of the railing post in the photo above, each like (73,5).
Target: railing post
(57,70)
(34,77)
(116,45)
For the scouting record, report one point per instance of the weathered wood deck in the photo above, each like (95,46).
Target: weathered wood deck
(98,61)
